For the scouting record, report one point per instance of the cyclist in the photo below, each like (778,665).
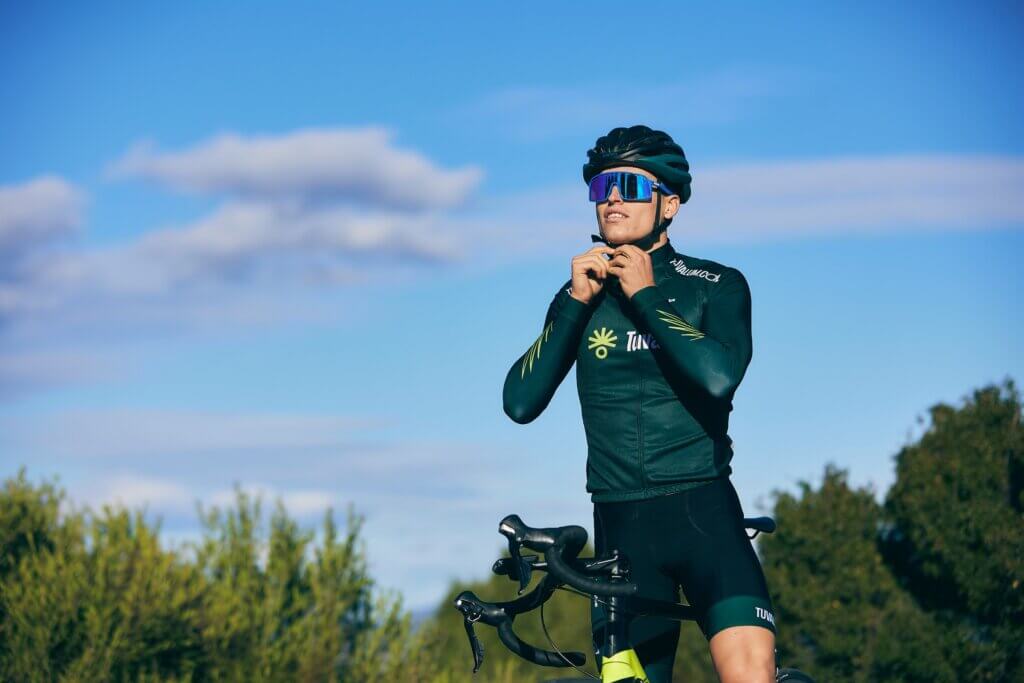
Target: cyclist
(660,341)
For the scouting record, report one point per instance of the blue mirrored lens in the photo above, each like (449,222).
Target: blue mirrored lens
(633,187)
(600,186)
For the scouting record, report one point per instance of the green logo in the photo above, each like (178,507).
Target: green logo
(679,325)
(602,340)
(534,352)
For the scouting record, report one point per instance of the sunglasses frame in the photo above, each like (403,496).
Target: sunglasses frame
(643,180)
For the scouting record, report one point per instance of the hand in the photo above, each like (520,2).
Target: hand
(632,265)
(589,271)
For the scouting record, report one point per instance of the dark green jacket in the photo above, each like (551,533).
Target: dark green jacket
(656,375)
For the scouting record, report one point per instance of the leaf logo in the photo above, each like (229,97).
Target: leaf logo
(602,340)
(534,352)
(676,323)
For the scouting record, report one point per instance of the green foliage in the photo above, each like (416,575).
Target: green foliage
(89,597)
(841,614)
(957,513)
(956,534)
(28,521)
(926,587)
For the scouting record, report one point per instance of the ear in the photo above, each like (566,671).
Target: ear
(670,206)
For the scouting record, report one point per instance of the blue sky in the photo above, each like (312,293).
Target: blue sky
(297,248)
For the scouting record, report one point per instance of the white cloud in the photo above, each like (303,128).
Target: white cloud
(26,370)
(238,234)
(38,211)
(154,434)
(245,265)
(301,503)
(177,496)
(305,210)
(773,200)
(360,164)
(720,97)
(135,491)
(246,242)
(763,201)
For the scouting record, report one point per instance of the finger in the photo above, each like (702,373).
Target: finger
(633,250)
(598,266)
(600,249)
(585,261)
(587,266)
(595,253)
(619,260)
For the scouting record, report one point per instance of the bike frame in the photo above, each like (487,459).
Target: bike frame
(619,660)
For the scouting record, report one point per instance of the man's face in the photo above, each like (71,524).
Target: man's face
(621,221)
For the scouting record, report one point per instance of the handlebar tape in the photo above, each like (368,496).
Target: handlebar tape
(535,655)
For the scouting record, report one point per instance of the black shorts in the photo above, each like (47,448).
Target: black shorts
(694,540)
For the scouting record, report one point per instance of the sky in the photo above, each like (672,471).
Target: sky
(294,249)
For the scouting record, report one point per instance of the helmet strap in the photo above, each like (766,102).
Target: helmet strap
(648,240)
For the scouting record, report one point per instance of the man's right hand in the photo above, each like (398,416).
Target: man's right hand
(589,271)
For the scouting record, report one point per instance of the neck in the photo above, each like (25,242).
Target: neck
(660,242)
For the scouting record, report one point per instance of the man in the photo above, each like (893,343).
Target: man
(661,341)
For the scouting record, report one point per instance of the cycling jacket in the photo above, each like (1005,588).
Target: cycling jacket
(656,375)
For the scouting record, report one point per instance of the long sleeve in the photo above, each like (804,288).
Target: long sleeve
(532,380)
(715,357)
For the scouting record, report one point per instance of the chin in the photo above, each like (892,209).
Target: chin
(622,233)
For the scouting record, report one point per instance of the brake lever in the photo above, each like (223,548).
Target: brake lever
(522,568)
(474,643)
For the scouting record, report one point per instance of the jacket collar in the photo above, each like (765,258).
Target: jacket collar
(661,259)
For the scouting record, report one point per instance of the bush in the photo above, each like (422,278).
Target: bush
(87,597)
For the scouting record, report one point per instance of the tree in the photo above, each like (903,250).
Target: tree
(95,596)
(841,614)
(927,587)
(956,529)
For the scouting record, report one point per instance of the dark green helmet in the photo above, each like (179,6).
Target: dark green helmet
(640,146)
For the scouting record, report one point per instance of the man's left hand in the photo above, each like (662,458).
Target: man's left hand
(632,265)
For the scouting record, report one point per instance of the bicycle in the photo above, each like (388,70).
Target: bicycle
(604,580)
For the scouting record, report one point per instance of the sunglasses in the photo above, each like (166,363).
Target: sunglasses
(633,187)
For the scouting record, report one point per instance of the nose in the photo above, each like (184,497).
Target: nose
(614,196)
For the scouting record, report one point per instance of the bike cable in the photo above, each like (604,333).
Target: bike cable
(554,647)
(599,601)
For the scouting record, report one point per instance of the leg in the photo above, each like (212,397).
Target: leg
(744,654)
(723,579)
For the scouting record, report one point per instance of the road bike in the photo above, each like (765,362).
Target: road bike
(604,580)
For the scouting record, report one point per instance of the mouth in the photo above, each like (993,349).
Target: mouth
(615,216)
